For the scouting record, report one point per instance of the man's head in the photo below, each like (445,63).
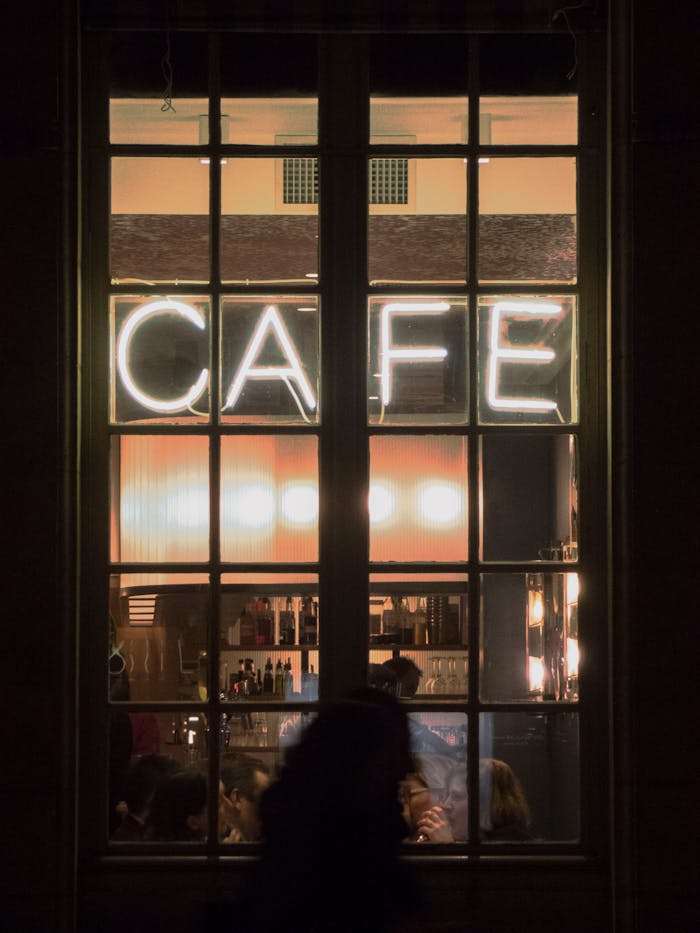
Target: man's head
(142,779)
(244,780)
(406,674)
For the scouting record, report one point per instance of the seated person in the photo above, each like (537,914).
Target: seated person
(243,781)
(139,786)
(415,798)
(504,814)
(447,819)
(178,810)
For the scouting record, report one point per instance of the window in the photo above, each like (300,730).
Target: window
(338,442)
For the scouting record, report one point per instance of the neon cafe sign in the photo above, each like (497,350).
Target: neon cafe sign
(270,325)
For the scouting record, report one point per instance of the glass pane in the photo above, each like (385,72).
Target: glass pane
(158,636)
(159,225)
(417,220)
(529,777)
(527,220)
(434,797)
(265,101)
(550,61)
(418,120)
(529,501)
(269,498)
(159,499)
(529,628)
(527,360)
(269,220)
(143,120)
(270,360)
(269,643)
(508,121)
(427,66)
(418,498)
(158,796)
(159,359)
(273,121)
(144,107)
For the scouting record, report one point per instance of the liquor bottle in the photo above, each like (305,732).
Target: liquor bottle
(258,684)
(247,626)
(405,620)
(287,628)
(265,622)
(308,622)
(435,612)
(313,684)
(279,679)
(420,623)
(268,679)
(288,680)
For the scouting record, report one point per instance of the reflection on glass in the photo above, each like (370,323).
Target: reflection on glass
(269,498)
(529,501)
(508,121)
(159,498)
(527,371)
(269,220)
(418,498)
(417,220)
(159,225)
(159,359)
(423,120)
(269,121)
(270,360)
(529,777)
(143,120)
(527,220)
(417,366)
(530,637)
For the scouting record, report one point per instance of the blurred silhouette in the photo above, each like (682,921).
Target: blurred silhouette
(332,826)
(178,810)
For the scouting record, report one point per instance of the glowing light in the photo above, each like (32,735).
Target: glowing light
(572,589)
(572,657)
(535,674)
(270,323)
(497,353)
(537,610)
(389,354)
(382,503)
(440,503)
(253,506)
(299,504)
(126,335)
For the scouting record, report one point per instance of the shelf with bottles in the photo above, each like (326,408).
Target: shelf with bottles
(278,675)
(426,621)
(267,621)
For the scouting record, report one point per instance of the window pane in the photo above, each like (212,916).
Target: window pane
(142,108)
(529,629)
(158,797)
(527,371)
(527,220)
(428,66)
(269,498)
(269,220)
(417,367)
(540,752)
(270,360)
(421,120)
(508,121)
(418,498)
(159,499)
(529,497)
(278,634)
(417,220)
(158,636)
(270,121)
(439,748)
(159,359)
(159,227)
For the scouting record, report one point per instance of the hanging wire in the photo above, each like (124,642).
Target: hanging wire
(563,12)
(167,69)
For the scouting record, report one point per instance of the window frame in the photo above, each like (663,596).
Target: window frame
(343,441)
